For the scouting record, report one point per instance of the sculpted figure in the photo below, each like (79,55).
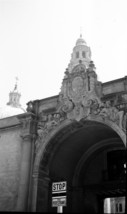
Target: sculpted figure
(45,126)
(86,106)
(112,113)
(51,122)
(104,111)
(94,107)
(41,129)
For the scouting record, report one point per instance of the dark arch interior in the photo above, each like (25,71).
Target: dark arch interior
(65,158)
(71,149)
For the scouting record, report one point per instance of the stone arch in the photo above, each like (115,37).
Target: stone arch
(68,123)
(58,134)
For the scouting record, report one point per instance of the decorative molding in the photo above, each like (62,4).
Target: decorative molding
(79,99)
(28,122)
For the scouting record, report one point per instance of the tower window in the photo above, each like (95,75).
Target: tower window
(77,54)
(83,54)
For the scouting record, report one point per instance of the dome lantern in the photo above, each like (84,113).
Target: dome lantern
(80,41)
(13,107)
(14,96)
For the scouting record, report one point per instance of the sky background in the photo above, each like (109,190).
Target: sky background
(37,38)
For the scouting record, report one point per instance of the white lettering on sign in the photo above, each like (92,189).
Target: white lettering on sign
(59,201)
(59,186)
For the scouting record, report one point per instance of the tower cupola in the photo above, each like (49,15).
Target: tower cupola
(81,53)
(14,96)
(13,107)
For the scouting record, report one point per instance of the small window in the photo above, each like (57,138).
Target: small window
(83,54)
(120,207)
(77,54)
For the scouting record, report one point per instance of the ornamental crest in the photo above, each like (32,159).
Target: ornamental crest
(74,84)
(80,97)
(78,92)
(77,89)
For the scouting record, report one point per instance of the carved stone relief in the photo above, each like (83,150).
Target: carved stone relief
(77,101)
(45,125)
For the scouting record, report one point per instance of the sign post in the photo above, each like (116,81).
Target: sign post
(59,201)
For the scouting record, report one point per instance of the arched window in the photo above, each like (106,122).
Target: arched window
(83,54)
(77,54)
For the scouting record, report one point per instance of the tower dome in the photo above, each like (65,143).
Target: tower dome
(13,107)
(80,41)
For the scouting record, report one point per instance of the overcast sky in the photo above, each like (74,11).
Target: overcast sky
(37,38)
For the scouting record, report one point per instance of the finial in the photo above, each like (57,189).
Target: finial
(80,32)
(16,78)
(16,84)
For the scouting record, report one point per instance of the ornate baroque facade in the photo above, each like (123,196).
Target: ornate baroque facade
(82,97)
(60,136)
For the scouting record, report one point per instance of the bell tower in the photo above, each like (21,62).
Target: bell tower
(80,87)
(81,53)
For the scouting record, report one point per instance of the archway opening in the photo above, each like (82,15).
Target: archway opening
(81,156)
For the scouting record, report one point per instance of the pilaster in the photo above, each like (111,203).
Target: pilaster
(40,191)
(27,139)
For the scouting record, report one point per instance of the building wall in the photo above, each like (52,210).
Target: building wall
(10,160)
(115,86)
(15,162)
